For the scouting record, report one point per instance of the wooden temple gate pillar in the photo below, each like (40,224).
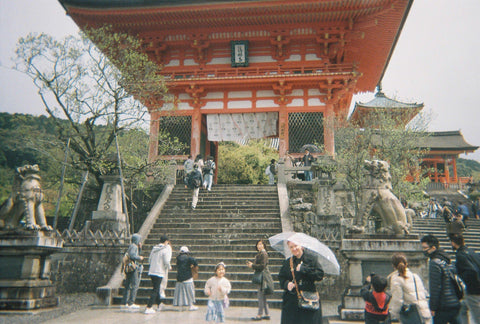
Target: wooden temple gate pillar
(196,133)
(455,177)
(328,129)
(282,132)
(153,141)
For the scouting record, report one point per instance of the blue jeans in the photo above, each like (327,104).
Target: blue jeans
(131,287)
(208,180)
(308,175)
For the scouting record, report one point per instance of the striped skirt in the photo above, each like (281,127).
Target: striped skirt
(184,294)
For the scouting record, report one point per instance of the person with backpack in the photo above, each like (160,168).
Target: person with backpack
(187,167)
(271,171)
(467,263)
(376,300)
(132,280)
(407,289)
(194,183)
(208,170)
(444,303)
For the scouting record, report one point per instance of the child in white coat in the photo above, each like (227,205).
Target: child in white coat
(217,289)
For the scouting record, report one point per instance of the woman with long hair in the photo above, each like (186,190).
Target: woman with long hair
(407,288)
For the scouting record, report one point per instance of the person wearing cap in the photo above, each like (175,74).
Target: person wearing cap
(160,258)
(184,289)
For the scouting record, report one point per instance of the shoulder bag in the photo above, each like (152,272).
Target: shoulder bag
(410,314)
(257,277)
(309,300)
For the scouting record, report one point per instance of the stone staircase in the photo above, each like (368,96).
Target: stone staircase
(436,226)
(225,226)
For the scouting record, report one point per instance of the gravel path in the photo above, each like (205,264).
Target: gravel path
(68,304)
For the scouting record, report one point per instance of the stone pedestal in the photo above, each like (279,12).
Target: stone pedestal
(25,269)
(368,254)
(109,214)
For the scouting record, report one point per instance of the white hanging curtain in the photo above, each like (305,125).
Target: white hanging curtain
(241,127)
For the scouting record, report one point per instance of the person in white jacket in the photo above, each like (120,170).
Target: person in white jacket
(407,288)
(160,258)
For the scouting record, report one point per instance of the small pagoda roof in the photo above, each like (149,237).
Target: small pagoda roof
(447,141)
(382,104)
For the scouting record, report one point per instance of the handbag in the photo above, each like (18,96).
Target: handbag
(309,300)
(128,265)
(257,277)
(410,313)
(267,285)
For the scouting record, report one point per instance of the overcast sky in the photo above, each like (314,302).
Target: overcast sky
(436,60)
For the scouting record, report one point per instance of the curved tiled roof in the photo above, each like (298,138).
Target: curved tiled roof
(382,101)
(446,141)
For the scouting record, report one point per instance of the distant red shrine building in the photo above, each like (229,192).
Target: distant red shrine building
(249,69)
(444,148)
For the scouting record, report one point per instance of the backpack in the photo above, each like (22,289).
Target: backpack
(267,170)
(128,265)
(208,166)
(194,180)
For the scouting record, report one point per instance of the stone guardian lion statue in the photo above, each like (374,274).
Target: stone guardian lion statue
(25,201)
(378,197)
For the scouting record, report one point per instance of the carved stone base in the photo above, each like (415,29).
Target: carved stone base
(368,254)
(25,269)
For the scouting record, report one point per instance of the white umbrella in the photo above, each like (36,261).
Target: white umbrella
(325,257)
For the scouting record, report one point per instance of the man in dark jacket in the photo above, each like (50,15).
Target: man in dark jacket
(194,183)
(468,268)
(133,278)
(307,161)
(444,303)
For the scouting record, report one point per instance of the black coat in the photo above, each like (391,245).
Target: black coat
(442,292)
(466,262)
(310,271)
(184,266)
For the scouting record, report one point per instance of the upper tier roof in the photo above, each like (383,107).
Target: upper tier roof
(373,25)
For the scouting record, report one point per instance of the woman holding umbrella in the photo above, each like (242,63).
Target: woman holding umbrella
(298,274)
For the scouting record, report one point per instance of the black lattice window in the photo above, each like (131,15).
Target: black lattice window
(304,128)
(178,127)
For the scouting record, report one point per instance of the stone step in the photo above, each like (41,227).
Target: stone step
(225,226)
(214,230)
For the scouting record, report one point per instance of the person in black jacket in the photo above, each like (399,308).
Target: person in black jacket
(184,294)
(260,264)
(468,268)
(194,183)
(444,303)
(307,270)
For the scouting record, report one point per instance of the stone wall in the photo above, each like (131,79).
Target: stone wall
(87,260)
(313,211)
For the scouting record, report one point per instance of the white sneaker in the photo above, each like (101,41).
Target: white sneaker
(193,308)
(149,311)
(133,306)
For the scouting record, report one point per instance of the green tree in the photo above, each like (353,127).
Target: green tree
(93,87)
(244,164)
(384,138)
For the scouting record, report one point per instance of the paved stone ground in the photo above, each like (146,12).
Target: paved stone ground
(79,308)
